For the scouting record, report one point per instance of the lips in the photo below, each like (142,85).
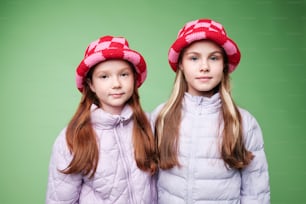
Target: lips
(116,95)
(204,78)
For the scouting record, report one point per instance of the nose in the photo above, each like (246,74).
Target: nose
(116,83)
(204,67)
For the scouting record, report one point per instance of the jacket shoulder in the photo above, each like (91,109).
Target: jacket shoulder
(156,111)
(252,131)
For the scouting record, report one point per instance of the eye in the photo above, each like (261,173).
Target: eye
(193,58)
(125,74)
(215,57)
(103,76)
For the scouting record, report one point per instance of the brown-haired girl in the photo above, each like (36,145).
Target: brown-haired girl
(107,153)
(210,150)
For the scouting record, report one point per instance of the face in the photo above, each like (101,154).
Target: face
(113,83)
(202,64)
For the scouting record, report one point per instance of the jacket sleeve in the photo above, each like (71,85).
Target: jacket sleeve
(62,188)
(255,177)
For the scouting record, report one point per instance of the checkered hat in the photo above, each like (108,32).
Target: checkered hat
(109,47)
(204,29)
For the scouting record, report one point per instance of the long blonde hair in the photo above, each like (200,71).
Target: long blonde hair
(232,149)
(82,142)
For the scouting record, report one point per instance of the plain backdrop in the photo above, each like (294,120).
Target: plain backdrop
(42,42)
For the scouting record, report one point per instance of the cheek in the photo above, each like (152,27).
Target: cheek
(218,69)
(99,85)
(220,77)
(132,85)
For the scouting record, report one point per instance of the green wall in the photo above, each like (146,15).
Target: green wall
(42,42)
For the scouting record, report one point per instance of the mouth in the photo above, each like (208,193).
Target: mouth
(204,78)
(116,95)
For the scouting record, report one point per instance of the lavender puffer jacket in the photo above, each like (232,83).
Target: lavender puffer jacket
(117,180)
(203,177)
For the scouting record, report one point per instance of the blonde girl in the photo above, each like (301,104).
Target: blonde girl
(210,150)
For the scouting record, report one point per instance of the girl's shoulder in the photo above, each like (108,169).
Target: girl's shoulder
(60,143)
(248,119)
(251,130)
(245,114)
(156,111)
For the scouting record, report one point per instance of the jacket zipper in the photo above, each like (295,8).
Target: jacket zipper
(124,162)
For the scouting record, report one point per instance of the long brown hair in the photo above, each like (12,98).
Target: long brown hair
(232,148)
(82,141)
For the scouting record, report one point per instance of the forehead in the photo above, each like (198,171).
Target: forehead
(113,65)
(203,46)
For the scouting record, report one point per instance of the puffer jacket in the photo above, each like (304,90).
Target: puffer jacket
(203,177)
(117,180)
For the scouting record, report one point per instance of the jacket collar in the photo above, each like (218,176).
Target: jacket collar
(201,104)
(104,120)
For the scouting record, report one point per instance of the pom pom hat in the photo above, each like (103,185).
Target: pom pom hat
(109,47)
(199,30)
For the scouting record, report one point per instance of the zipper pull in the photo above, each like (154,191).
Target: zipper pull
(121,120)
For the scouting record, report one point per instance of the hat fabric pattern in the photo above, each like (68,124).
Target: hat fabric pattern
(204,29)
(110,47)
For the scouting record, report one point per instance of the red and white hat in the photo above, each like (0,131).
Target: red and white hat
(204,29)
(109,47)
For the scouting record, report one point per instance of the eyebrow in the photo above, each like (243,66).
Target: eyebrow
(127,67)
(122,69)
(213,52)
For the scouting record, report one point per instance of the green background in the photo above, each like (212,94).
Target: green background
(42,42)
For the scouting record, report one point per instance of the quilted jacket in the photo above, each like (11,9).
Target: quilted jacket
(117,179)
(203,177)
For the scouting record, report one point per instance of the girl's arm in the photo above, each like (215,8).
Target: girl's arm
(255,177)
(62,188)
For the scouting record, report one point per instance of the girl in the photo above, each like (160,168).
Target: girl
(107,153)
(210,151)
